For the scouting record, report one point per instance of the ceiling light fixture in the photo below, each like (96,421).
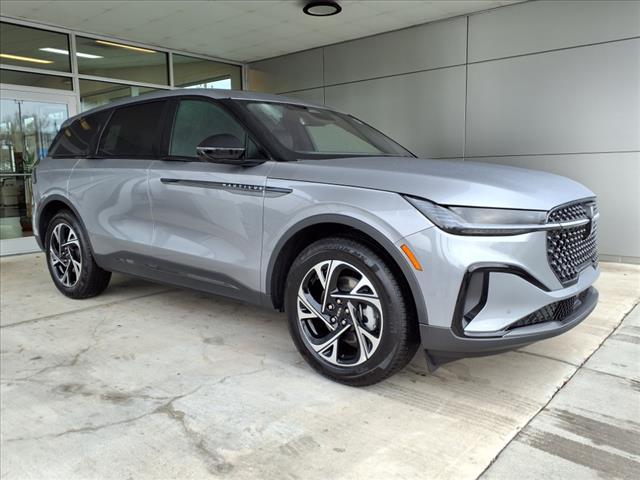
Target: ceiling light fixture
(322,8)
(9,56)
(128,47)
(65,52)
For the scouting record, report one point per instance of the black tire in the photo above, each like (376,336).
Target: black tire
(91,279)
(398,337)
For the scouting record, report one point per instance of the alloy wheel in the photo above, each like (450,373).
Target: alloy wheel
(340,313)
(65,255)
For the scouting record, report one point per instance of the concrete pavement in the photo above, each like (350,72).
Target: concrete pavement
(591,428)
(147,381)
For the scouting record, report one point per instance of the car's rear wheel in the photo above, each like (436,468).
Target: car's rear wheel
(70,259)
(348,314)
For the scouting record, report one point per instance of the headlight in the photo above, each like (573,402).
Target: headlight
(481,221)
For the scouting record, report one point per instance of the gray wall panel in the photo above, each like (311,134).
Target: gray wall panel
(558,102)
(315,95)
(297,71)
(424,47)
(615,179)
(546,25)
(423,111)
(569,101)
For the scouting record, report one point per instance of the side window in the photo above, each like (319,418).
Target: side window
(198,119)
(133,131)
(78,138)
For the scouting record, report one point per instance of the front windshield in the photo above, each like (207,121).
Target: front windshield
(311,130)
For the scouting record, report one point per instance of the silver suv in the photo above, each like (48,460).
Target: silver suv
(370,251)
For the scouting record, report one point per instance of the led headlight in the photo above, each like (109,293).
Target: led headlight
(481,221)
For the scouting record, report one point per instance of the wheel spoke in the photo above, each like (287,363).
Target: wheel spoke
(312,312)
(65,277)
(363,282)
(329,282)
(322,277)
(54,257)
(370,299)
(77,268)
(333,338)
(364,354)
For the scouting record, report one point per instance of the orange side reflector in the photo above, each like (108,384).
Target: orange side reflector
(412,258)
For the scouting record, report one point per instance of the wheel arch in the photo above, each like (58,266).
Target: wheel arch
(48,209)
(311,229)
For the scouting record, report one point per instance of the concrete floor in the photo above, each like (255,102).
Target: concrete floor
(147,381)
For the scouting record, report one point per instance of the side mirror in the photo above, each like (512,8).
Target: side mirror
(222,148)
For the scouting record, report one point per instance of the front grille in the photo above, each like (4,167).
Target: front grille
(570,250)
(557,311)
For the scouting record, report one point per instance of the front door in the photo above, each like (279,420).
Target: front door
(29,120)
(207,216)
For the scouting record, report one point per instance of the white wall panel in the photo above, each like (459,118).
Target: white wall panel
(433,45)
(569,101)
(546,25)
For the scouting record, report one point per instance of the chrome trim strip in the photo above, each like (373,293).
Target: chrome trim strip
(241,188)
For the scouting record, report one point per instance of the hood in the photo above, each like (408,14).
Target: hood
(447,182)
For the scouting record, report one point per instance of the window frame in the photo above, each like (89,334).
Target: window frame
(170,121)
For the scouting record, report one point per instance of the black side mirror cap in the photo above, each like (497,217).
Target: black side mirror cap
(221,148)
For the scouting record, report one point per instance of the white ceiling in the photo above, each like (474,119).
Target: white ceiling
(241,30)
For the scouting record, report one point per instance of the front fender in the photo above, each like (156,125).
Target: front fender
(386,217)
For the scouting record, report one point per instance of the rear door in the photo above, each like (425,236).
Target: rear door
(110,188)
(207,216)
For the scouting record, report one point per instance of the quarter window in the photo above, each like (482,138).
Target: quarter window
(77,139)
(195,121)
(133,131)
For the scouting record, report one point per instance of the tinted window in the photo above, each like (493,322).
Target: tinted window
(311,130)
(77,139)
(197,120)
(133,131)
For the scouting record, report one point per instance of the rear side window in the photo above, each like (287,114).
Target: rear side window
(133,131)
(78,139)
(195,121)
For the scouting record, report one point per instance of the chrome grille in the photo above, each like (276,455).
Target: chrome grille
(570,250)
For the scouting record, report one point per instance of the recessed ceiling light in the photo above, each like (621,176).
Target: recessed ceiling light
(128,47)
(23,59)
(322,8)
(65,52)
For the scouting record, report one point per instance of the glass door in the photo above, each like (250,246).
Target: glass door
(29,120)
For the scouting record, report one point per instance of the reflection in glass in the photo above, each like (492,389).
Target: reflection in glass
(26,131)
(191,72)
(13,77)
(94,93)
(109,59)
(27,47)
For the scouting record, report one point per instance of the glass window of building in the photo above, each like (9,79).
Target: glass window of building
(34,48)
(106,58)
(94,93)
(192,72)
(14,77)
(26,131)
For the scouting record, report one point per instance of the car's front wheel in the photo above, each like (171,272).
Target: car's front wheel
(70,260)
(348,314)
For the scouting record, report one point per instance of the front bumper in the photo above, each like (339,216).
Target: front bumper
(442,344)
(496,315)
